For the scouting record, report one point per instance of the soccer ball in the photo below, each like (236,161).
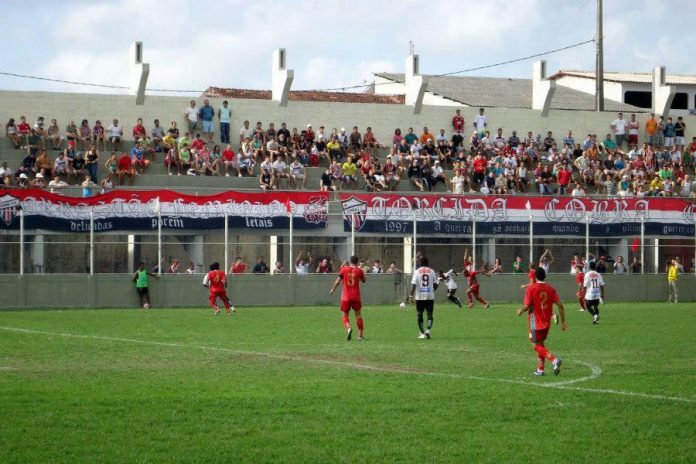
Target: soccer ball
(402,305)
(146,306)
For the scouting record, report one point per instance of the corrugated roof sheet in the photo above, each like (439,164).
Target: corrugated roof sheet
(306,95)
(636,77)
(497,92)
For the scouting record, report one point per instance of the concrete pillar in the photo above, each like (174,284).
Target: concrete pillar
(138,73)
(662,94)
(489,252)
(415,84)
(620,249)
(37,255)
(131,253)
(272,252)
(341,249)
(408,256)
(195,250)
(281,78)
(542,88)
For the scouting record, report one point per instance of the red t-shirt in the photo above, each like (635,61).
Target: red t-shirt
(238,268)
(458,122)
(217,281)
(228,155)
(124,163)
(24,128)
(352,276)
(564,177)
(580,277)
(138,131)
(197,144)
(480,165)
(540,297)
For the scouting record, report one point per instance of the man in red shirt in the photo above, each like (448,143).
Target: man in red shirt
(480,165)
(458,122)
(139,130)
(125,168)
(538,303)
(229,160)
(473,290)
(564,176)
(216,281)
(351,276)
(239,266)
(580,279)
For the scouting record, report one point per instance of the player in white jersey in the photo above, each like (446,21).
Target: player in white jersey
(423,286)
(593,286)
(448,278)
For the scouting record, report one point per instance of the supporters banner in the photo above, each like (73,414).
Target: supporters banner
(510,215)
(127,210)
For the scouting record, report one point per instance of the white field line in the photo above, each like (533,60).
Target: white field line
(562,385)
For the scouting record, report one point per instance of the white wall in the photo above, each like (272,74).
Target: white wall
(383,118)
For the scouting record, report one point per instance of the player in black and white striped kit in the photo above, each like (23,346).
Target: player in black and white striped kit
(448,278)
(423,285)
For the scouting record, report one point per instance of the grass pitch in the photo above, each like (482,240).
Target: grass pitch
(283,385)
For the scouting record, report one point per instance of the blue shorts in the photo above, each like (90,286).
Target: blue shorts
(208,126)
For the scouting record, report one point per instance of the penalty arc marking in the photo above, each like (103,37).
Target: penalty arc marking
(563,385)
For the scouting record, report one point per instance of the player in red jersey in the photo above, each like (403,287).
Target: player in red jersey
(580,279)
(538,302)
(216,281)
(351,276)
(473,290)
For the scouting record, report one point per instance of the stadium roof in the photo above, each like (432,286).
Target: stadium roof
(501,92)
(306,95)
(633,77)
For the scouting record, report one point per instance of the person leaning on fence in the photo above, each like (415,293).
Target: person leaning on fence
(141,285)
(673,272)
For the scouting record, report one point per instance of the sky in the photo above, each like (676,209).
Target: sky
(229,43)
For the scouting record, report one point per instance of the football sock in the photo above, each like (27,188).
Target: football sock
(454,300)
(470,297)
(590,309)
(346,321)
(430,320)
(361,325)
(481,300)
(420,321)
(582,303)
(540,363)
(544,353)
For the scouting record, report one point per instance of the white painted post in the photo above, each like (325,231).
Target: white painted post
(642,245)
(414,240)
(352,235)
(587,240)
(473,242)
(21,242)
(291,264)
(91,241)
(531,241)
(159,241)
(656,255)
(227,244)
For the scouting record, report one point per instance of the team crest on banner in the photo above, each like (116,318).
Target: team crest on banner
(355,212)
(8,208)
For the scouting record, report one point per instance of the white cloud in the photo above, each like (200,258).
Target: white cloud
(333,44)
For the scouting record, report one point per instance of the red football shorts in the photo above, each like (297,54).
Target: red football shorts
(538,335)
(474,290)
(633,139)
(347,305)
(222,294)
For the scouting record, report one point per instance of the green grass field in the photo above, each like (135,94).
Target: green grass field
(283,385)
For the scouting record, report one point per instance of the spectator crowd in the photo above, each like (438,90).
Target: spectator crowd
(634,159)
